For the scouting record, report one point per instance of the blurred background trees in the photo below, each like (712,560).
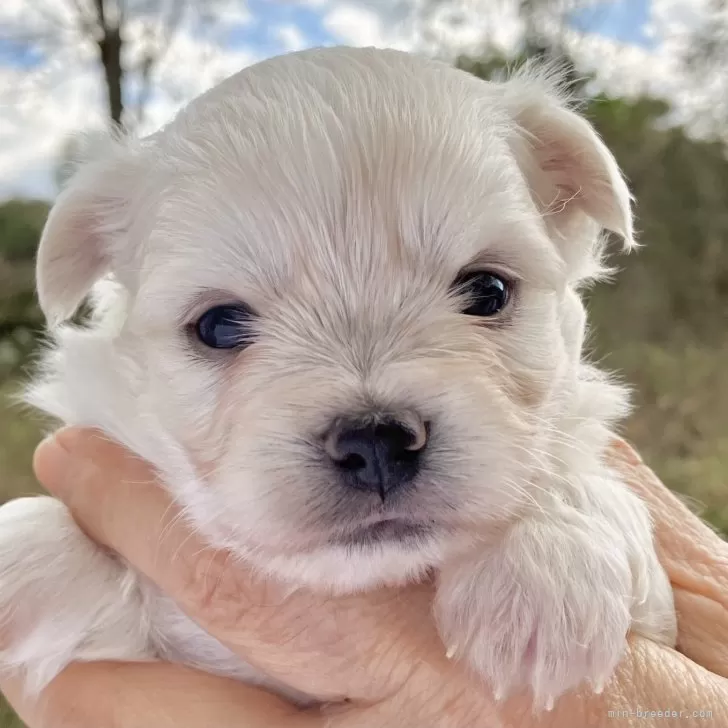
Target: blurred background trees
(663,322)
(128,39)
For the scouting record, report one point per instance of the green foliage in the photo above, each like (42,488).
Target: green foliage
(677,286)
(21,223)
(8,719)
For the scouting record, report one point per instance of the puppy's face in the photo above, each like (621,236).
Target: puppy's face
(347,300)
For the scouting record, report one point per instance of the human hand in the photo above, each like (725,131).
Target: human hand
(379,650)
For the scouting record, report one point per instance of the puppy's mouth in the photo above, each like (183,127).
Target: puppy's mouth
(387,530)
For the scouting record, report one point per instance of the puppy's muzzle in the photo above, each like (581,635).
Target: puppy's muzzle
(380,455)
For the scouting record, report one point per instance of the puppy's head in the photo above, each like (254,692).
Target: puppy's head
(342,303)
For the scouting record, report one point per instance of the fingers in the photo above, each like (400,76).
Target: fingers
(127,695)
(676,527)
(703,630)
(115,498)
(118,695)
(650,678)
(696,560)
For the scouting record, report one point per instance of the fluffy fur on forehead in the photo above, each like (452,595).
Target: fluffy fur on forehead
(356,134)
(427,140)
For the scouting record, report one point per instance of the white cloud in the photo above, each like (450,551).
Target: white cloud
(291,37)
(229,12)
(355,25)
(495,23)
(22,11)
(39,110)
(697,100)
(316,4)
(190,67)
(38,114)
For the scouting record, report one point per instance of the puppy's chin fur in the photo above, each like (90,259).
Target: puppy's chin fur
(339,193)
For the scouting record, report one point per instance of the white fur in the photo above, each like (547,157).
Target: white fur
(339,192)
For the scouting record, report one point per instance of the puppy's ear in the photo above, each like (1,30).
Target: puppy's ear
(88,223)
(571,173)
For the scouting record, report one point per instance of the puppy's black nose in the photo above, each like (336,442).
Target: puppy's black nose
(378,457)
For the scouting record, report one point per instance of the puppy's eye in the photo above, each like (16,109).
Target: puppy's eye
(225,327)
(486,294)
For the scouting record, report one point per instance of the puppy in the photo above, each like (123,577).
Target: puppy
(337,306)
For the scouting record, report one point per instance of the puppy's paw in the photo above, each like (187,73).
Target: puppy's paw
(62,598)
(653,608)
(547,607)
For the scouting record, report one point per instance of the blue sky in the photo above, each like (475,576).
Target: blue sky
(71,98)
(624,20)
(267,15)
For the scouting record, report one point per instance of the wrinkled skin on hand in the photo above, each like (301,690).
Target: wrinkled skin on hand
(379,651)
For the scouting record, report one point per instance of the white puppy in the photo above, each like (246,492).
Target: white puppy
(337,307)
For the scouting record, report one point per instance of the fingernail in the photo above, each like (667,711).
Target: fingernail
(54,461)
